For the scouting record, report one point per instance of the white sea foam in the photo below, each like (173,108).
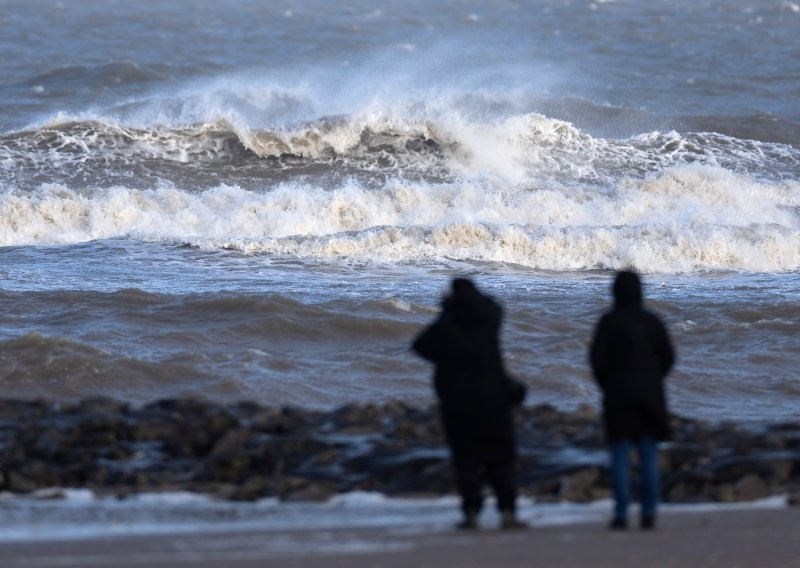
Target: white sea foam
(484,134)
(174,513)
(684,219)
(517,148)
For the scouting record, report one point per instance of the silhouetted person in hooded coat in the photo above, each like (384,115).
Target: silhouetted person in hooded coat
(631,355)
(476,398)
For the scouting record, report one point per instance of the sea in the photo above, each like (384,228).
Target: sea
(266,200)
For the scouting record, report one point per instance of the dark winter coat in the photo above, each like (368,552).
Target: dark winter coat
(630,355)
(475,394)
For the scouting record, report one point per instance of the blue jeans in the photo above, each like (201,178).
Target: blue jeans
(649,474)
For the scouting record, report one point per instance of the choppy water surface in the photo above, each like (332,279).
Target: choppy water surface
(265,201)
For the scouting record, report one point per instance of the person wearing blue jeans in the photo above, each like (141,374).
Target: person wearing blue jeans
(649,475)
(631,354)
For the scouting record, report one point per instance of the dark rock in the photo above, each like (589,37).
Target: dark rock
(358,419)
(12,410)
(544,491)
(51,445)
(99,405)
(395,409)
(750,487)
(256,487)
(245,410)
(327,457)
(410,471)
(420,432)
(781,470)
(40,473)
(97,475)
(231,444)
(686,486)
(314,492)
(19,483)
(545,417)
(229,460)
(277,421)
(244,451)
(682,457)
(285,486)
(579,486)
(724,493)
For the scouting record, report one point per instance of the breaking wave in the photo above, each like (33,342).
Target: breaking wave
(526,147)
(683,219)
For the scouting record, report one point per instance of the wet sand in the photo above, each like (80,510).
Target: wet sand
(740,538)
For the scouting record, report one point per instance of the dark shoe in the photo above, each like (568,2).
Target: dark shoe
(469,523)
(509,521)
(618,524)
(648,522)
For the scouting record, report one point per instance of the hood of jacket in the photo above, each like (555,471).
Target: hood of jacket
(467,306)
(627,289)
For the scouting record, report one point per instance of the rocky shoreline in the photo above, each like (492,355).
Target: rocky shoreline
(246,451)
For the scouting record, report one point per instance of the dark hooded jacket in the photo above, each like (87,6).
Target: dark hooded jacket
(631,355)
(475,394)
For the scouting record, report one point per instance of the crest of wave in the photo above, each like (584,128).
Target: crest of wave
(484,133)
(515,148)
(510,147)
(475,134)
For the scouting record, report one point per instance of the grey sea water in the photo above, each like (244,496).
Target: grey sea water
(250,200)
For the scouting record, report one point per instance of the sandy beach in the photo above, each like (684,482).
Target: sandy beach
(737,538)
